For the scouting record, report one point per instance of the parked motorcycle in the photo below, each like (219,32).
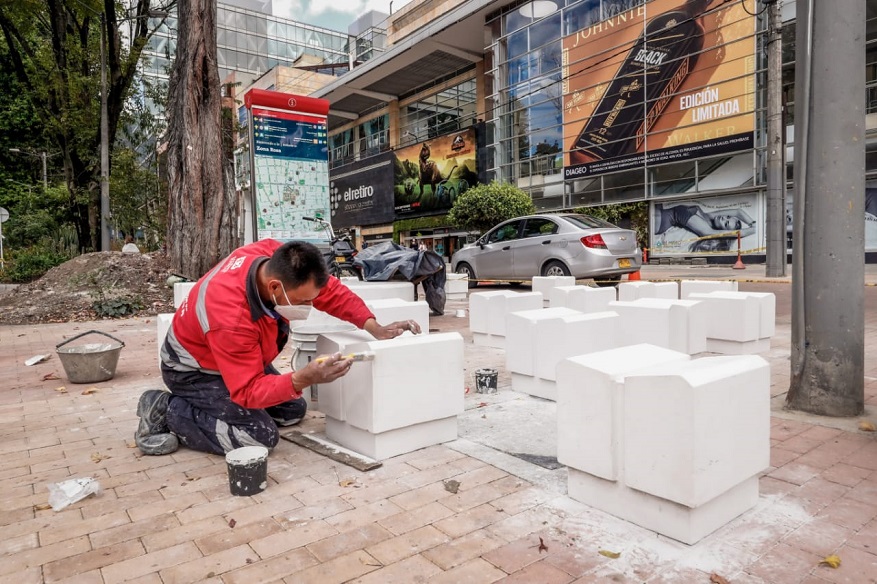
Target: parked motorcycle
(339,258)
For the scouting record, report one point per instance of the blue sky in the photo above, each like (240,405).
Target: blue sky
(334,14)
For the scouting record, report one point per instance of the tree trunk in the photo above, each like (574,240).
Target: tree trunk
(201,200)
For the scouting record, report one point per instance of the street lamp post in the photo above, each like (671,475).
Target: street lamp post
(42,155)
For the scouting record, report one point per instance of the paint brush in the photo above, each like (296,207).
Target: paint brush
(361,356)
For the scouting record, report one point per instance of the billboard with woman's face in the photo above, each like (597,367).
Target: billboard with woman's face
(662,81)
(707,226)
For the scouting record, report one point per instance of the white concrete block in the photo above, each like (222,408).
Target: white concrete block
(688,287)
(478,308)
(695,430)
(181,292)
(488,312)
(380,290)
(456,286)
(679,325)
(630,291)
(329,397)
(666,290)
(163,325)
(583,298)
(411,380)
(544,285)
(732,316)
(576,334)
(685,524)
(392,442)
(736,347)
(590,405)
(522,350)
(767,303)
(389,310)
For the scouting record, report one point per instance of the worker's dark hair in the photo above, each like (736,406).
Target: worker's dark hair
(298,262)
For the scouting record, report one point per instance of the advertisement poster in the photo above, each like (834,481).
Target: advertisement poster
(362,193)
(665,81)
(290,165)
(428,176)
(870,218)
(707,226)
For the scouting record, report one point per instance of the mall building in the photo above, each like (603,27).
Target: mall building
(564,99)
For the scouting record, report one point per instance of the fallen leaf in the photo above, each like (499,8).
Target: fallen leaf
(42,507)
(866,426)
(249,560)
(347,483)
(90,390)
(97,457)
(831,561)
(482,404)
(542,546)
(452,486)
(608,554)
(61,389)
(716,579)
(131,444)
(232,522)
(50,376)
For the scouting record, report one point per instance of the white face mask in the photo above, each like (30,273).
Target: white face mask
(290,311)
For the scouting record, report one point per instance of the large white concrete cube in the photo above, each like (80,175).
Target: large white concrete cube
(666,290)
(389,310)
(694,430)
(590,405)
(456,286)
(689,287)
(583,298)
(163,325)
(521,347)
(408,397)
(630,291)
(739,322)
(544,285)
(679,325)
(488,312)
(381,290)
(329,397)
(181,292)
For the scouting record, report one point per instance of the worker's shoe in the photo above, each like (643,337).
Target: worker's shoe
(289,413)
(153,435)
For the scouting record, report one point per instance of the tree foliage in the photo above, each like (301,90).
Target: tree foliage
(54,49)
(483,206)
(636,214)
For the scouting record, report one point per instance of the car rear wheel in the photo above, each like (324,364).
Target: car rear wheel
(555,268)
(469,272)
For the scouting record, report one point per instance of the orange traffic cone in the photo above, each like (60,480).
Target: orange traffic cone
(633,276)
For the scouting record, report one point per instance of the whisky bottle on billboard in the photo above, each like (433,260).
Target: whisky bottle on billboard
(660,60)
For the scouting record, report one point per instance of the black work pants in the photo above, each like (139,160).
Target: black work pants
(200,412)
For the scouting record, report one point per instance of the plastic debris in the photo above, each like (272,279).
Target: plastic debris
(68,492)
(36,359)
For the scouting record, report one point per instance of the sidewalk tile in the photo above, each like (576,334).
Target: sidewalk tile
(239,535)
(845,474)
(272,569)
(347,520)
(129,531)
(401,547)
(92,560)
(209,566)
(336,571)
(348,541)
(784,563)
(857,567)
(541,572)
(42,555)
(475,571)
(462,549)
(294,536)
(152,562)
(408,571)
(470,520)
(411,520)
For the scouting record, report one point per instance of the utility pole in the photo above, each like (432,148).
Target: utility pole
(776,167)
(828,337)
(104,142)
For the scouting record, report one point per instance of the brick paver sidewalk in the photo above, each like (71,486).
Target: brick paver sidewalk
(171,519)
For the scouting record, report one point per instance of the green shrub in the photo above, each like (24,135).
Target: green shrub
(115,307)
(483,206)
(28,264)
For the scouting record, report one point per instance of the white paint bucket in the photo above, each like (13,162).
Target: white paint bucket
(304,342)
(247,470)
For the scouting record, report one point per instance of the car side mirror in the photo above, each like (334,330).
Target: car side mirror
(481,243)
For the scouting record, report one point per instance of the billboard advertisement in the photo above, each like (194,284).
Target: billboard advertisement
(362,193)
(290,163)
(665,81)
(870,217)
(707,226)
(428,176)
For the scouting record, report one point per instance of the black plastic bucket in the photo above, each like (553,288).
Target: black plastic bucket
(486,380)
(247,470)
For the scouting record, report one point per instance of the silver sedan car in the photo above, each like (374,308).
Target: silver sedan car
(550,245)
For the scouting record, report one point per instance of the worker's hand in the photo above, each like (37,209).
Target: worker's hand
(323,369)
(392,330)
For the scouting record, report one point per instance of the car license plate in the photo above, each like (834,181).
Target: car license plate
(341,259)
(624,263)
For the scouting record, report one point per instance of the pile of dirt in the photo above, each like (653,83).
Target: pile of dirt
(112,281)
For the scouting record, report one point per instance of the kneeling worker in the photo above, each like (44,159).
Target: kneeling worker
(216,359)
